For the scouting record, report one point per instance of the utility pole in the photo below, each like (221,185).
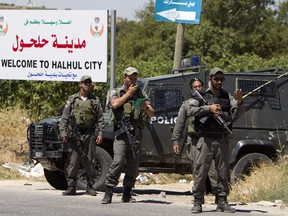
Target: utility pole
(113,49)
(178,46)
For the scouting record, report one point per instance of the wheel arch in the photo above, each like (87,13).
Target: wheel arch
(245,165)
(247,146)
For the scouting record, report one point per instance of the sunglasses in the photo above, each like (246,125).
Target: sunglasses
(217,79)
(87,82)
(132,77)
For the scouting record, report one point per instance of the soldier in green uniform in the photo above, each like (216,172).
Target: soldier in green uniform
(128,121)
(213,140)
(81,115)
(192,137)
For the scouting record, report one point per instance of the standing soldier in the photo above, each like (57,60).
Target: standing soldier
(192,138)
(131,108)
(82,114)
(213,138)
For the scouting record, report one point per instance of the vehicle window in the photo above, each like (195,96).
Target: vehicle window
(268,88)
(166,98)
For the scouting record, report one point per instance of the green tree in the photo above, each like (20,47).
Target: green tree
(252,21)
(146,44)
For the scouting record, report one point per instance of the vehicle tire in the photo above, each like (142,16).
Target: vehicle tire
(56,179)
(103,161)
(245,165)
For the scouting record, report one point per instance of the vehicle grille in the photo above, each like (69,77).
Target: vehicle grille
(44,142)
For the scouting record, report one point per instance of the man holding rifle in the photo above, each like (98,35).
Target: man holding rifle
(213,115)
(131,108)
(192,136)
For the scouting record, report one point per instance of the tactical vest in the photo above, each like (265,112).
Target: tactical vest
(136,117)
(207,123)
(84,113)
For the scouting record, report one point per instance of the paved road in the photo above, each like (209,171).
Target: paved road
(40,199)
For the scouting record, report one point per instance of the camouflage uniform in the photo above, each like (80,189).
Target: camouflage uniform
(87,140)
(192,138)
(122,149)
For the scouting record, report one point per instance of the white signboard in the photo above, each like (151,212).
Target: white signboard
(60,45)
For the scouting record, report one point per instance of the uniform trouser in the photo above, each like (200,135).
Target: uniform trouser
(209,148)
(212,173)
(123,153)
(87,144)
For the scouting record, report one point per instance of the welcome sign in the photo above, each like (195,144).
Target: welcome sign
(60,45)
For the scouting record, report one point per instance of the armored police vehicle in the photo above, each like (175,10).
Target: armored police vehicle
(258,135)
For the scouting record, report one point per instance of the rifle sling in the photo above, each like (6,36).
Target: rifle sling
(121,131)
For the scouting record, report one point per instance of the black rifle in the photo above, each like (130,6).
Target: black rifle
(127,128)
(75,134)
(218,118)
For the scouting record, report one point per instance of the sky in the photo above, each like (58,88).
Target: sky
(124,8)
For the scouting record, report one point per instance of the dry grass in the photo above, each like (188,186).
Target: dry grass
(268,182)
(10,174)
(13,141)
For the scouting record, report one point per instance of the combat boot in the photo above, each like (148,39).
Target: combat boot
(127,198)
(197,208)
(71,191)
(90,191)
(108,195)
(223,205)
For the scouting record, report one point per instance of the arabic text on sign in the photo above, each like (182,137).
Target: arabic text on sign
(187,4)
(40,43)
(44,22)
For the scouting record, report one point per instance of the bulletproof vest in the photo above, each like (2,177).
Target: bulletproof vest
(208,122)
(83,113)
(133,115)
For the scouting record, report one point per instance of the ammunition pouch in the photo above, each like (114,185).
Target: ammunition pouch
(84,120)
(83,113)
(127,110)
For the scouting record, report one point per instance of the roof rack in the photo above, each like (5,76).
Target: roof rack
(197,68)
(269,70)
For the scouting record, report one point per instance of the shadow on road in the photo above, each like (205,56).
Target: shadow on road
(250,211)
(154,191)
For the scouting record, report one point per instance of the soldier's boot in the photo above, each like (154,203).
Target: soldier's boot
(108,195)
(71,191)
(90,191)
(223,205)
(127,198)
(197,208)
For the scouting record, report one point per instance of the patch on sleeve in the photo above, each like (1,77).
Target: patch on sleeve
(67,104)
(113,93)
(181,109)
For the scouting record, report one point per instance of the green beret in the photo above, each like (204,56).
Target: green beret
(195,79)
